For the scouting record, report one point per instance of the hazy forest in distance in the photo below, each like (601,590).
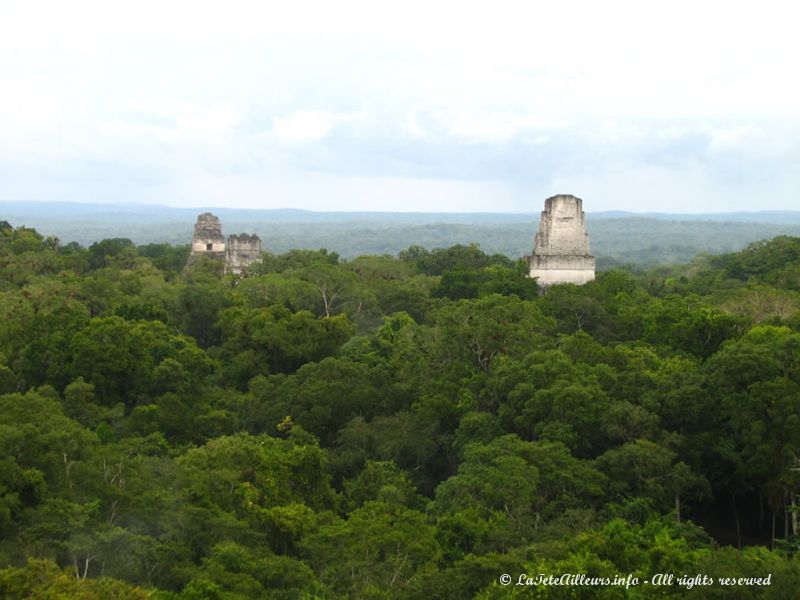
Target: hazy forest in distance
(617,238)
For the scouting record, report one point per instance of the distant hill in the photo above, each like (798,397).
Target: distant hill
(640,239)
(159,213)
(764,216)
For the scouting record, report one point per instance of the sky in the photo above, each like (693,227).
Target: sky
(402,106)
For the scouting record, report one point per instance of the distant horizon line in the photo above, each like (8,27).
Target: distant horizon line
(111,206)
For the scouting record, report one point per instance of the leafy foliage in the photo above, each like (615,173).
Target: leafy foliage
(390,427)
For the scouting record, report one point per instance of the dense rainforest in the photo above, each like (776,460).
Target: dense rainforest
(411,426)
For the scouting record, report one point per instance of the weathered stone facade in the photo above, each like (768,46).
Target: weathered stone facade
(240,251)
(207,239)
(561,247)
(243,250)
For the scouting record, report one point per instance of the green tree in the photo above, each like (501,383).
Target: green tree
(378,552)
(645,469)
(128,361)
(473,333)
(275,340)
(116,251)
(44,579)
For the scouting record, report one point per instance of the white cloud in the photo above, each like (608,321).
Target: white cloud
(495,128)
(520,92)
(303,126)
(736,138)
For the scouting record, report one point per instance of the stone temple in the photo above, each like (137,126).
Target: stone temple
(208,239)
(240,251)
(561,247)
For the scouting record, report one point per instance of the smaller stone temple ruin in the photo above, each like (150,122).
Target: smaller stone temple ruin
(243,250)
(561,247)
(240,251)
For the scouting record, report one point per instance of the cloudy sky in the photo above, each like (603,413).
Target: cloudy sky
(405,106)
